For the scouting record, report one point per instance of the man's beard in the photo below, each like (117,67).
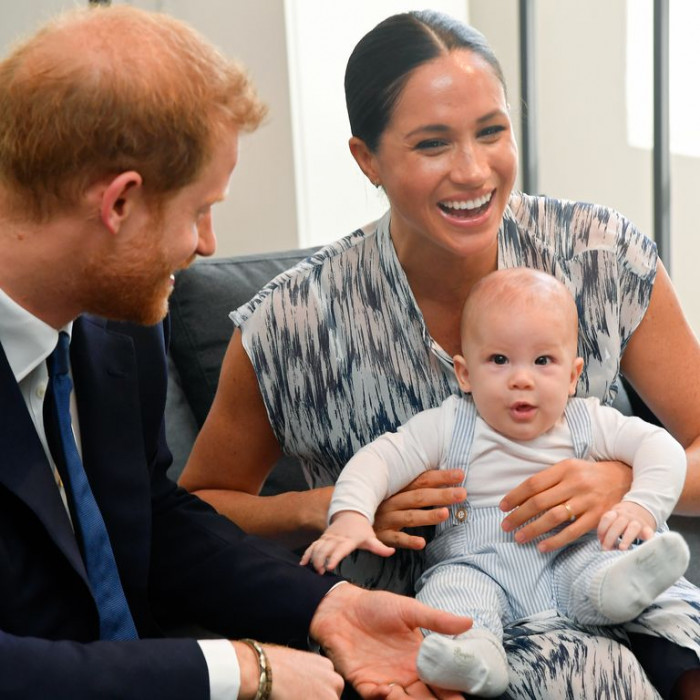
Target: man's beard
(134,289)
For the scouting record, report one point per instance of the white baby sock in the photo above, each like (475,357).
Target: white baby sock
(622,590)
(475,663)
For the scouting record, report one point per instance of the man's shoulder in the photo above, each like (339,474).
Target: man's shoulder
(92,330)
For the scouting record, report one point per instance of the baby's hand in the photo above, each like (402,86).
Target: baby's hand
(347,532)
(625,522)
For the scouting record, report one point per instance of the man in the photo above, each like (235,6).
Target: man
(118,132)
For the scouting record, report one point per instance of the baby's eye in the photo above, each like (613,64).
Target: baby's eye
(498,359)
(543,360)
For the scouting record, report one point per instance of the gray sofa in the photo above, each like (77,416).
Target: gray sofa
(203,297)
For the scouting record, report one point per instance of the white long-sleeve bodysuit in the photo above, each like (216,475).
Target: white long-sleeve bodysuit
(473,566)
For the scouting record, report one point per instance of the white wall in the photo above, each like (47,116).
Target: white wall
(333,196)
(260,212)
(20,18)
(584,152)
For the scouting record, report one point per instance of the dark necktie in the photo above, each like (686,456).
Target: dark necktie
(115,618)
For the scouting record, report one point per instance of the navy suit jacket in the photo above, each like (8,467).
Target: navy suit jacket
(178,560)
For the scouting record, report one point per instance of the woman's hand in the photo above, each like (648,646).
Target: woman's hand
(421,503)
(573,490)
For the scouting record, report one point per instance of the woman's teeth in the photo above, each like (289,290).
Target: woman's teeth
(466,205)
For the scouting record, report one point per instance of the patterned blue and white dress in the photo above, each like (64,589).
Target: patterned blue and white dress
(342,355)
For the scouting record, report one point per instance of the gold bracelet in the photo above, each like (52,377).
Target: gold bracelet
(265,682)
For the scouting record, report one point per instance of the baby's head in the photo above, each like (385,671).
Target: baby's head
(519,341)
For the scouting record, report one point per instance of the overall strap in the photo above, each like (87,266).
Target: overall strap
(579,421)
(459,455)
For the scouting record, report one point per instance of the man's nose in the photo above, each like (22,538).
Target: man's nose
(206,238)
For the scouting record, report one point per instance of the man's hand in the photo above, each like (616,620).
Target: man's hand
(296,675)
(623,524)
(347,532)
(372,637)
(573,490)
(421,503)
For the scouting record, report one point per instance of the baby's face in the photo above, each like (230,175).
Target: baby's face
(520,367)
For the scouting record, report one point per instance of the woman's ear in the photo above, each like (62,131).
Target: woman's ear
(118,199)
(365,159)
(462,373)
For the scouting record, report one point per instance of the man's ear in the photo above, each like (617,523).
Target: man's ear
(365,159)
(462,373)
(118,198)
(576,370)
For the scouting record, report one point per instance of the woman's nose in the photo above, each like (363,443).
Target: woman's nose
(470,167)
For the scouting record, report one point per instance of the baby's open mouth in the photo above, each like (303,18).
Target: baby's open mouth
(522,409)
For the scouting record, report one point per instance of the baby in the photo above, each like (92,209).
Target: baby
(518,370)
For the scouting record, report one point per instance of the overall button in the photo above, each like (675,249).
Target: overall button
(461,514)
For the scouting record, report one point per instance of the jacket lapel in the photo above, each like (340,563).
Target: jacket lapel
(26,472)
(106,386)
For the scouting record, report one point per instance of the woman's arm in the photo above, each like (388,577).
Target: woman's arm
(662,362)
(234,453)
(236,449)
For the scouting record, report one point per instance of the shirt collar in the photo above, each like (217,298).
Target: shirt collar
(26,339)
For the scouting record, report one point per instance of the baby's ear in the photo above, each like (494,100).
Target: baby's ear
(462,373)
(576,369)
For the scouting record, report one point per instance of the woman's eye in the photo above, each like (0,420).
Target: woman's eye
(491,131)
(543,360)
(429,144)
(499,359)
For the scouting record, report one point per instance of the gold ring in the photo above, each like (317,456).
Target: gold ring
(572,517)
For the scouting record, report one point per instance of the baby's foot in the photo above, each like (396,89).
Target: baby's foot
(630,584)
(474,663)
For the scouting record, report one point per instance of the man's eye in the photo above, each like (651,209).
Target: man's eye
(499,359)
(543,360)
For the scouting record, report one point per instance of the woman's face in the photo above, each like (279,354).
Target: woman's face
(447,159)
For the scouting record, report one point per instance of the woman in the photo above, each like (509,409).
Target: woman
(358,338)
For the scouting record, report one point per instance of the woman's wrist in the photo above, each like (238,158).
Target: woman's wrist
(312,510)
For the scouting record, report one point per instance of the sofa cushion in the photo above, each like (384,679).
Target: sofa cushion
(204,295)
